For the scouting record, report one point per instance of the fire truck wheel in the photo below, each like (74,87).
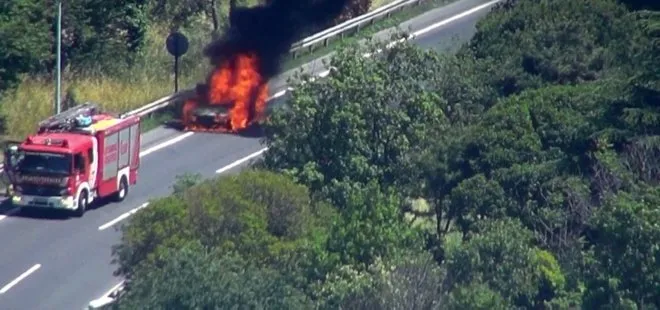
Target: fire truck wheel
(82,204)
(123,190)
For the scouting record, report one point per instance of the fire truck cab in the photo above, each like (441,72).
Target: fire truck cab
(76,157)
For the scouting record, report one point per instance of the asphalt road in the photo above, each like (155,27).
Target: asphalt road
(64,263)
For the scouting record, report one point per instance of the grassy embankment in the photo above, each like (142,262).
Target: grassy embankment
(151,78)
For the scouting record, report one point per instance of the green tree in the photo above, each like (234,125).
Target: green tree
(537,149)
(179,13)
(501,256)
(336,131)
(26,39)
(102,34)
(476,296)
(185,181)
(411,281)
(626,248)
(194,278)
(553,41)
(371,227)
(93,33)
(257,214)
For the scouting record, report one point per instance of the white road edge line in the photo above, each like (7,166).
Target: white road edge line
(123,216)
(144,205)
(105,298)
(435,25)
(454,18)
(19,279)
(240,161)
(166,144)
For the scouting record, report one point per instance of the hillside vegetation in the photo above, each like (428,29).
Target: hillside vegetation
(522,172)
(113,52)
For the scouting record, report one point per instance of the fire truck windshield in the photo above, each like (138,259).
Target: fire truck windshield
(38,163)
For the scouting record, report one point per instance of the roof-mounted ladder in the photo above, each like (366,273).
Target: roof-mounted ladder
(66,120)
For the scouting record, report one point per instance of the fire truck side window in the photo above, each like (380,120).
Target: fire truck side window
(80,162)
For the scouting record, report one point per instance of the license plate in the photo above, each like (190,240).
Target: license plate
(40,201)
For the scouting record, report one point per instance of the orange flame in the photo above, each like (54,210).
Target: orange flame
(235,83)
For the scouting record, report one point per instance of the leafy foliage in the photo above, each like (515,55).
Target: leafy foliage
(92,31)
(522,172)
(22,52)
(192,277)
(553,41)
(336,131)
(256,214)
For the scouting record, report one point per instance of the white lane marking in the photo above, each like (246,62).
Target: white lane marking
(19,279)
(454,18)
(166,144)
(144,205)
(105,298)
(123,216)
(278,94)
(240,161)
(435,26)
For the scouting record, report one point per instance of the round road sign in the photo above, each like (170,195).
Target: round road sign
(177,44)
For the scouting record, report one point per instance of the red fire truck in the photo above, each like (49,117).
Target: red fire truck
(76,157)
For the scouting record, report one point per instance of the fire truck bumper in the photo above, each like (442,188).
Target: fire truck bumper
(66,202)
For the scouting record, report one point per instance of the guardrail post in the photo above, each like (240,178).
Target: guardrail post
(325,43)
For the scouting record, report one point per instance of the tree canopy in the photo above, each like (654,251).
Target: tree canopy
(521,172)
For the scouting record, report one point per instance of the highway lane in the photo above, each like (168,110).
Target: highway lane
(74,255)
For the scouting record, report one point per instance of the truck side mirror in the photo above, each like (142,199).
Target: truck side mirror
(10,152)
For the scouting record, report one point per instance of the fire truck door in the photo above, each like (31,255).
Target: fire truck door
(92,155)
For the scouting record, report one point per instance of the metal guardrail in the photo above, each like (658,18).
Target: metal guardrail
(160,103)
(349,25)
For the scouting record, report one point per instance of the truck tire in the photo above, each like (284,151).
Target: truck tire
(82,204)
(120,195)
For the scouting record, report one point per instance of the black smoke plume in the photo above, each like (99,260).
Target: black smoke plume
(271,29)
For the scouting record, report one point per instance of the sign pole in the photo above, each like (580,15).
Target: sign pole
(176,74)
(177,45)
(58,82)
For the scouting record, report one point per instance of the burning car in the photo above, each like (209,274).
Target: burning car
(233,98)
